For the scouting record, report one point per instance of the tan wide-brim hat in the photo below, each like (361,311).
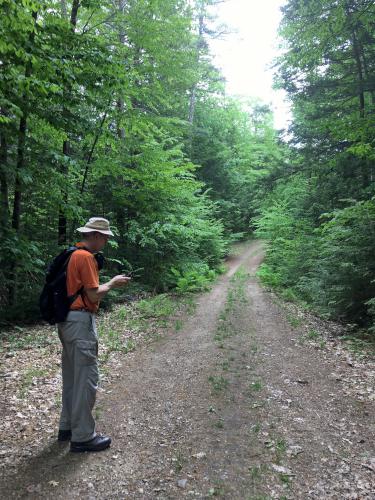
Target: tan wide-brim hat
(96,224)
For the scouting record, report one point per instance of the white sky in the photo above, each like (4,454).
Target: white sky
(245,56)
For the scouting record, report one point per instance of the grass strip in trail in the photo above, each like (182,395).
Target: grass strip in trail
(237,380)
(228,327)
(236,299)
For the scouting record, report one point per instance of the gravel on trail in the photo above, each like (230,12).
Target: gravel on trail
(233,405)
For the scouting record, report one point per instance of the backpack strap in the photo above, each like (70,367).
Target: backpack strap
(74,297)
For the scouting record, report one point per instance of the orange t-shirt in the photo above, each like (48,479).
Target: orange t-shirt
(82,271)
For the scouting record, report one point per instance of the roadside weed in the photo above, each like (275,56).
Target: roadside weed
(285,479)
(98,412)
(122,313)
(156,307)
(255,473)
(218,489)
(256,428)
(225,365)
(178,461)
(219,424)
(178,325)
(256,386)
(218,383)
(280,449)
(27,379)
(312,335)
(293,320)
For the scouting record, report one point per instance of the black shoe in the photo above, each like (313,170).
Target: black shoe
(64,435)
(98,443)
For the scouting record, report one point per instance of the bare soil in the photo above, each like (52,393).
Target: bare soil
(238,404)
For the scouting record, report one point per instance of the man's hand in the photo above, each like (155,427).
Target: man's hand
(96,294)
(119,281)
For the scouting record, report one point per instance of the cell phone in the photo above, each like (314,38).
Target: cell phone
(132,273)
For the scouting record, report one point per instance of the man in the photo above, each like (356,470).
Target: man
(79,339)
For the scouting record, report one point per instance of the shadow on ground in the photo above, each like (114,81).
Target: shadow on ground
(53,464)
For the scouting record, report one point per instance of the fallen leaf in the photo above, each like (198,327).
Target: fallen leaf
(281,470)
(293,451)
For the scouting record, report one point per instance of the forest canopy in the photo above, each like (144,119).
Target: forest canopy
(115,109)
(319,213)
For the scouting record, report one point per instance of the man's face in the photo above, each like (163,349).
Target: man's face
(100,241)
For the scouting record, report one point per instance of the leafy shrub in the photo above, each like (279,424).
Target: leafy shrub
(184,241)
(155,307)
(343,282)
(21,274)
(269,276)
(196,279)
(331,266)
(292,246)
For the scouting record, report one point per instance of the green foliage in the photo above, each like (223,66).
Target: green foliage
(187,241)
(270,276)
(21,338)
(218,383)
(115,109)
(195,279)
(345,282)
(156,307)
(235,144)
(255,386)
(284,223)
(21,261)
(114,341)
(330,266)
(318,213)
(27,379)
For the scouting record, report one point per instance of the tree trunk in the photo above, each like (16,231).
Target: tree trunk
(21,144)
(4,196)
(89,158)
(193,94)
(120,100)
(357,53)
(356,56)
(19,166)
(367,73)
(73,14)
(63,223)
(193,98)
(361,94)
(64,11)
(62,217)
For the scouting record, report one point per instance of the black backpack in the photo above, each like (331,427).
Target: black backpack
(54,302)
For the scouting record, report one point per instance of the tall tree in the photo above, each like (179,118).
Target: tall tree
(316,214)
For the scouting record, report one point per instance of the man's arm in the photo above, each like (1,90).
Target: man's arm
(96,294)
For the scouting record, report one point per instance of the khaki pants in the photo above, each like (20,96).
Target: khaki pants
(79,373)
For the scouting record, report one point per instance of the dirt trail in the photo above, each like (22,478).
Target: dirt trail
(230,406)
